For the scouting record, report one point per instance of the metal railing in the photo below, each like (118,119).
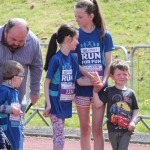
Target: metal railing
(141,118)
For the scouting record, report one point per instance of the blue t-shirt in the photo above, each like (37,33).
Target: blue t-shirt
(63,71)
(91,55)
(11,124)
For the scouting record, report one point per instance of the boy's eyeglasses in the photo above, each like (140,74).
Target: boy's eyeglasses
(9,78)
(22,76)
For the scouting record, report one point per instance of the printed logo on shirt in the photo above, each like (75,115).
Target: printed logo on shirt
(120,112)
(66,73)
(90,53)
(12,117)
(67,92)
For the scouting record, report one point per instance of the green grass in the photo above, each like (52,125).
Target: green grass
(127,20)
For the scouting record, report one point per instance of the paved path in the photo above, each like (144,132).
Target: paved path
(46,143)
(40,138)
(72,133)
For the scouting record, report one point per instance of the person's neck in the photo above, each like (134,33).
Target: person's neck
(65,50)
(121,87)
(89,28)
(9,83)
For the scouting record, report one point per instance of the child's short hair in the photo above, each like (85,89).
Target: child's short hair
(119,64)
(11,68)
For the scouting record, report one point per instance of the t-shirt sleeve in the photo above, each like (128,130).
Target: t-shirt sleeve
(108,42)
(104,96)
(134,101)
(52,67)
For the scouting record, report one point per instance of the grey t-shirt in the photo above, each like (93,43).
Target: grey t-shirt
(120,105)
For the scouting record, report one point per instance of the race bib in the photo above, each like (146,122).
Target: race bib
(94,68)
(12,116)
(67,92)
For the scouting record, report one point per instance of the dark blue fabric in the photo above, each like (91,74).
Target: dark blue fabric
(58,64)
(91,54)
(12,129)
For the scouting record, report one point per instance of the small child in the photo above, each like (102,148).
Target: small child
(122,106)
(59,86)
(11,123)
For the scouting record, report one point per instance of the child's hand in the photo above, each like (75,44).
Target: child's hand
(46,111)
(94,78)
(131,126)
(16,111)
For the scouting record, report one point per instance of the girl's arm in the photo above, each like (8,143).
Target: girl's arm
(97,102)
(47,99)
(84,72)
(94,80)
(108,60)
(83,82)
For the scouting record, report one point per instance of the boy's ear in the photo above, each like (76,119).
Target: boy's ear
(111,76)
(14,78)
(129,75)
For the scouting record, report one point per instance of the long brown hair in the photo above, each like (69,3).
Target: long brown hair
(91,7)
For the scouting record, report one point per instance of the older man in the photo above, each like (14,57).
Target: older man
(18,43)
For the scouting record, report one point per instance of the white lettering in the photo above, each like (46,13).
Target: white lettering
(90,50)
(86,62)
(67,78)
(91,56)
(66,71)
(95,61)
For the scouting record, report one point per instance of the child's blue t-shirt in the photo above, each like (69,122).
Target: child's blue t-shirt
(10,123)
(91,55)
(63,71)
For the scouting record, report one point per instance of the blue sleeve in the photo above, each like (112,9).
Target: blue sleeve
(52,67)
(3,96)
(108,42)
(79,75)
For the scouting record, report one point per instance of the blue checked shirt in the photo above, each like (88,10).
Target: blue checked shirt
(29,56)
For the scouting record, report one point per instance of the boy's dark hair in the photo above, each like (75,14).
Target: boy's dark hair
(91,7)
(11,68)
(119,64)
(58,37)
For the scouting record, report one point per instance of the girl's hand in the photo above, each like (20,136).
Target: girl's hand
(96,81)
(46,111)
(131,126)
(16,111)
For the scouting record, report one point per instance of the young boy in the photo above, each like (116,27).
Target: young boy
(122,106)
(13,77)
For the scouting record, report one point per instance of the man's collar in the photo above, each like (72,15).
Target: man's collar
(2,38)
